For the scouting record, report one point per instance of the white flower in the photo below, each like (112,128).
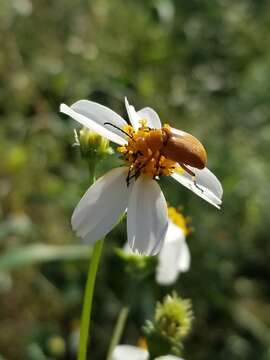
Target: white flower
(105,201)
(174,256)
(128,352)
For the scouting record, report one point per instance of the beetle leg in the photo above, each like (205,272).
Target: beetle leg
(197,186)
(135,175)
(190,172)
(129,176)
(137,171)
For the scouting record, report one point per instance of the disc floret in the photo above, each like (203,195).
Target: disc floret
(143,152)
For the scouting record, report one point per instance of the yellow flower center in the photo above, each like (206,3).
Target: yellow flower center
(142,344)
(143,152)
(178,219)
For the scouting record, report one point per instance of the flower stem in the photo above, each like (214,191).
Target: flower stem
(118,330)
(90,286)
(88,300)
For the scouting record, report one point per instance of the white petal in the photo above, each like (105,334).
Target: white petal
(128,352)
(207,179)
(174,233)
(169,257)
(132,114)
(93,116)
(147,219)
(208,186)
(169,357)
(101,206)
(153,120)
(184,258)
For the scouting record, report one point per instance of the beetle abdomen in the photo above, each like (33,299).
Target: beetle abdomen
(185,149)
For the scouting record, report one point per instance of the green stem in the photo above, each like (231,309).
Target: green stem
(92,171)
(118,330)
(90,286)
(88,300)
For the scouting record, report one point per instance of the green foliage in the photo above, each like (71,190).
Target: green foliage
(204,66)
(38,253)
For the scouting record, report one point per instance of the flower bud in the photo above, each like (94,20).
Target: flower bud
(93,146)
(173,317)
(172,323)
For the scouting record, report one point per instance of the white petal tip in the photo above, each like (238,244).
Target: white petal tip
(218,206)
(64,108)
(126,103)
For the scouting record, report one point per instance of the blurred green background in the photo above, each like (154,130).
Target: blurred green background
(205,67)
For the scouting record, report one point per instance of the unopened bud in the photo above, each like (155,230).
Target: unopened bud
(93,146)
(173,317)
(171,324)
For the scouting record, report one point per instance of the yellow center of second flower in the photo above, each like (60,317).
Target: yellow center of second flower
(178,219)
(143,152)
(142,344)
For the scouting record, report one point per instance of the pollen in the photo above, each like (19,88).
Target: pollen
(143,152)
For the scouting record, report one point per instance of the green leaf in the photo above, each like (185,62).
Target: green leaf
(40,253)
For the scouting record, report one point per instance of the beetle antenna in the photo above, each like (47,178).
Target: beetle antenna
(116,127)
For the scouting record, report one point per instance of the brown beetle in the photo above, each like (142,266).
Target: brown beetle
(183,148)
(175,145)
